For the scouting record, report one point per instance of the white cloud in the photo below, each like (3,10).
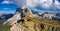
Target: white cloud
(6,8)
(46,3)
(33,3)
(7,11)
(6,2)
(57,4)
(19,2)
(43,3)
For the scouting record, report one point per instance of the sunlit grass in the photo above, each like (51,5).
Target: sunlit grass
(4,28)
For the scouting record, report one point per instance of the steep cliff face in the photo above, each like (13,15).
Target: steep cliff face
(24,20)
(29,26)
(26,25)
(13,20)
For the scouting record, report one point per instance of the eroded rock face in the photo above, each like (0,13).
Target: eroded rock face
(27,24)
(18,27)
(20,14)
(13,20)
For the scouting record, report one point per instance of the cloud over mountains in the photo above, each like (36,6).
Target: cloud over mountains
(33,3)
(7,2)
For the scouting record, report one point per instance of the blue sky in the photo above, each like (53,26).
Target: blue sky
(7,8)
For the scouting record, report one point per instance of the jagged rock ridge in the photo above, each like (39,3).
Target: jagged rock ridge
(24,20)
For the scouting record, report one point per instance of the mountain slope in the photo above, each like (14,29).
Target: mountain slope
(30,23)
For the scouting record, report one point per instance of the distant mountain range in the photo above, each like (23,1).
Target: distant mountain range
(27,21)
(58,14)
(5,16)
(40,14)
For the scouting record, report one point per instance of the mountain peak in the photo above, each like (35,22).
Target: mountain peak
(20,14)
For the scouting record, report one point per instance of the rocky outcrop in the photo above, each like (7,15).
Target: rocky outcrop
(28,26)
(21,26)
(13,20)
(24,20)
